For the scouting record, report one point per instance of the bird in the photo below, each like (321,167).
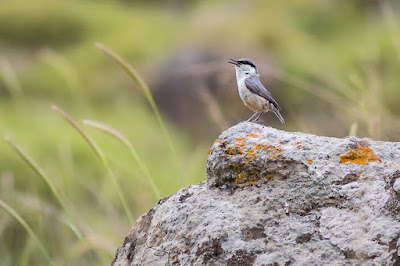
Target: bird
(253,94)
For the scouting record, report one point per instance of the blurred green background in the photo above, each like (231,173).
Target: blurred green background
(333,66)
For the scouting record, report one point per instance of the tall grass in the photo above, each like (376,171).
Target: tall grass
(118,136)
(101,156)
(35,167)
(136,77)
(28,229)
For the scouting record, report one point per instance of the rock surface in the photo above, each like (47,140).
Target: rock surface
(278,198)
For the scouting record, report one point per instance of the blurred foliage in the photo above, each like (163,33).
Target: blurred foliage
(336,66)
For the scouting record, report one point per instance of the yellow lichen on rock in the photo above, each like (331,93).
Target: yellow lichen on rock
(257,146)
(275,151)
(360,155)
(245,180)
(252,135)
(243,167)
(251,154)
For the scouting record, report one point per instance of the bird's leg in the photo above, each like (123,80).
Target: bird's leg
(249,120)
(261,113)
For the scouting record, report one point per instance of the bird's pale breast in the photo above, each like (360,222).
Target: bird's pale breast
(253,101)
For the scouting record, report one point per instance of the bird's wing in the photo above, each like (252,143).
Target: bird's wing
(255,86)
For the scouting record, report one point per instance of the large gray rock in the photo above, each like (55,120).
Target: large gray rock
(278,198)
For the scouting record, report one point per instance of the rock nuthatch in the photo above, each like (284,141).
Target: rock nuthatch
(253,94)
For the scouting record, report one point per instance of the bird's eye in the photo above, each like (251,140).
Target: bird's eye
(247,73)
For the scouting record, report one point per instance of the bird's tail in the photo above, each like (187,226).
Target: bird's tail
(276,111)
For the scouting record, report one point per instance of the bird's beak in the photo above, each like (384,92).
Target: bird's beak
(233,61)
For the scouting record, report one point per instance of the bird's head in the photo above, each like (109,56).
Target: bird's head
(244,67)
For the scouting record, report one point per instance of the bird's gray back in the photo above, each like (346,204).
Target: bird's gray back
(255,86)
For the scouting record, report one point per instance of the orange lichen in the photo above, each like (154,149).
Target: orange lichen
(243,147)
(209,150)
(251,154)
(297,144)
(250,149)
(244,179)
(229,151)
(222,143)
(274,151)
(360,155)
(258,146)
(240,144)
(269,176)
(310,161)
(252,135)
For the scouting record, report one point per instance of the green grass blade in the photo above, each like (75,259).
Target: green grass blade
(25,253)
(353,129)
(23,155)
(101,156)
(136,77)
(38,170)
(25,225)
(88,139)
(117,135)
